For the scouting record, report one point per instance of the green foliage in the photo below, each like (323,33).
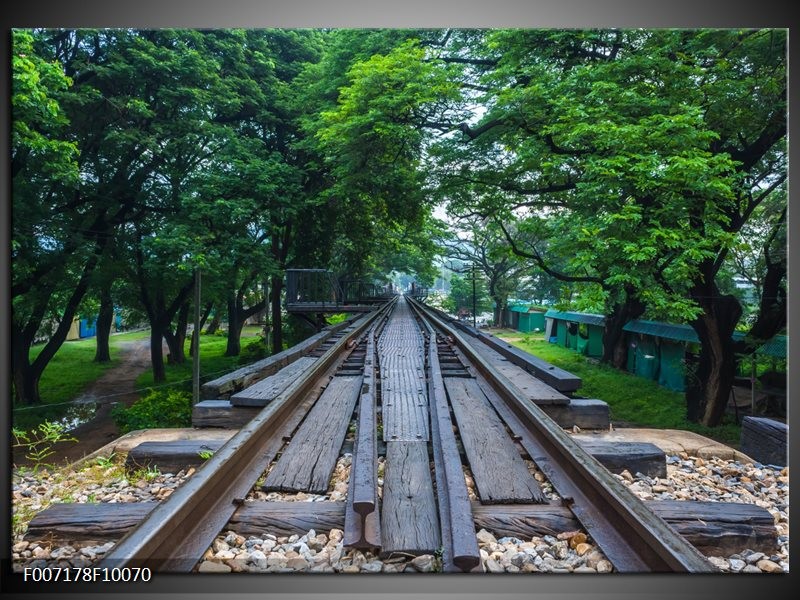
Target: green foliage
(254,350)
(159,408)
(461,294)
(633,400)
(38,443)
(106,461)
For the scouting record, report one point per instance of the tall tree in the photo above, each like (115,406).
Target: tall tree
(53,255)
(643,152)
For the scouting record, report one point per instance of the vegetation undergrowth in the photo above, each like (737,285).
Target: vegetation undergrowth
(633,400)
(158,409)
(67,375)
(37,444)
(213,361)
(75,483)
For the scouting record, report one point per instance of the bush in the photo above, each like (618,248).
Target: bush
(253,351)
(163,408)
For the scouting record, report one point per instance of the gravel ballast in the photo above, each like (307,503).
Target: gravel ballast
(688,478)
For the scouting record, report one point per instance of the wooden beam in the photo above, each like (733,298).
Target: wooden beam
(714,528)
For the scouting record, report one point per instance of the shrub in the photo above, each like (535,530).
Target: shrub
(162,408)
(253,351)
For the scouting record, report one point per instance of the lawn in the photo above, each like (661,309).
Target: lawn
(633,400)
(73,369)
(213,361)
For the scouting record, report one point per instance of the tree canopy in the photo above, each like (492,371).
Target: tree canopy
(641,169)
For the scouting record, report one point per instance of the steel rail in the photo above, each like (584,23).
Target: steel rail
(178,531)
(362,525)
(631,535)
(459,544)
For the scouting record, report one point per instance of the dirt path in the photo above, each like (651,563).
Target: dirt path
(118,384)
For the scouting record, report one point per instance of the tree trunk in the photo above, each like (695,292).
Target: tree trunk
(156,353)
(105,318)
(213,326)
(176,341)
(26,380)
(203,318)
(235,324)
(615,349)
(25,372)
(277,323)
(708,388)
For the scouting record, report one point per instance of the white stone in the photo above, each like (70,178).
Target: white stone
(767,566)
(259,559)
(736,564)
(604,566)
(372,567)
(424,564)
(484,537)
(583,569)
(208,566)
(493,567)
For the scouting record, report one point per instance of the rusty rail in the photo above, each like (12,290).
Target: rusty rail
(178,531)
(633,537)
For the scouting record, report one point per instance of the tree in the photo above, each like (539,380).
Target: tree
(640,155)
(483,244)
(53,255)
(461,293)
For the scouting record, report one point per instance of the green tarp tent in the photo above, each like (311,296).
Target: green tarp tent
(582,332)
(526,319)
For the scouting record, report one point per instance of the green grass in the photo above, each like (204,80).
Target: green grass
(73,369)
(213,362)
(633,400)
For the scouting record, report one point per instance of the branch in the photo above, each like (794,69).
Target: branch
(483,62)
(540,261)
(772,236)
(556,149)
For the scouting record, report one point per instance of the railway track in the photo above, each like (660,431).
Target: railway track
(427,399)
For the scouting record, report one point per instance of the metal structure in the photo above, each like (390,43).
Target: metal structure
(317,291)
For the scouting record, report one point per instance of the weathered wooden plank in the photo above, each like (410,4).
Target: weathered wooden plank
(459,545)
(561,380)
(221,413)
(309,460)
(720,528)
(634,457)
(764,440)
(266,390)
(224,386)
(287,518)
(714,528)
(408,516)
(172,456)
(536,390)
(586,413)
(404,402)
(87,522)
(499,471)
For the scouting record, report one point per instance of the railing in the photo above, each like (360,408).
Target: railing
(318,289)
(316,286)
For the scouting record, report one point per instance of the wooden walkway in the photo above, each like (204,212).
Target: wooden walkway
(266,390)
(409,521)
(497,466)
(402,371)
(534,389)
(308,462)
